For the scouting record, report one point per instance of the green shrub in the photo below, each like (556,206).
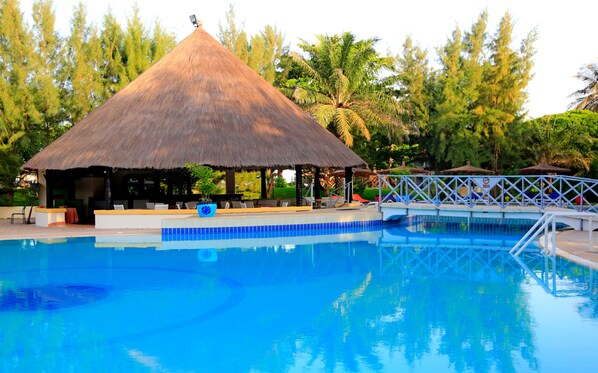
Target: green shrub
(283,193)
(371,193)
(280,182)
(21,197)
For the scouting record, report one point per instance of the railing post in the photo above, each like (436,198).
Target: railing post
(553,235)
(542,192)
(546,233)
(580,208)
(502,192)
(380,178)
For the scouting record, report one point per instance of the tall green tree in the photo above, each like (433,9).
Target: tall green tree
(415,90)
(82,90)
(454,138)
(345,94)
(263,52)
(48,49)
(232,35)
(587,97)
(17,102)
(414,82)
(481,93)
(137,46)
(18,112)
(114,73)
(567,140)
(161,43)
(266,50)
(503,95)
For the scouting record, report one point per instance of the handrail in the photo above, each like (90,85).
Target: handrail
(547,219)
(531,234)
(541,191)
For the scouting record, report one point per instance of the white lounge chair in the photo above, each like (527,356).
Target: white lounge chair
(119,207)
(191,205)
(161,206)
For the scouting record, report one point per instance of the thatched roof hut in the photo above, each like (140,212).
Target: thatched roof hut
(467,169)
(404,167)
(543,168)
(198,104)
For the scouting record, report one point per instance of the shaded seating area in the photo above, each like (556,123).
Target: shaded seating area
(194,122)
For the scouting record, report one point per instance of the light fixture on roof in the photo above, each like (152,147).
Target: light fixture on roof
(194,20)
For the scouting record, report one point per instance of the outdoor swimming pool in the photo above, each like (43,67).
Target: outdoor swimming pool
(429,297)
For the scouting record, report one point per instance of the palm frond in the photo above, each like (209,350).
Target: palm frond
(323,114)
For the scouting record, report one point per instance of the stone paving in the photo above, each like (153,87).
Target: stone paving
(573,245)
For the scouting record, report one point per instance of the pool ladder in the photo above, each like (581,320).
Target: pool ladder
(549,220)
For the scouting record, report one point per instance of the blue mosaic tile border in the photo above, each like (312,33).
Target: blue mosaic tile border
(176,234)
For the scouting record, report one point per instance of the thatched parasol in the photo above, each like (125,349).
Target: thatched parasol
(543,168)
(468,169)
(198,104)
(357,172)
(404,167)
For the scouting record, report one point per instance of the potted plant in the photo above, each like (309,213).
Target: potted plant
(204,183)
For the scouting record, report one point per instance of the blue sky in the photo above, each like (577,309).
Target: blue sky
(561,25)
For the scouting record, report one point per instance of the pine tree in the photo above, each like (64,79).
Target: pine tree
(161,43)
(453,141)
(266,51)
(114,74)
(233,37)
(263,52)
(47,56)
(137,51)
(414,83)
(82,89)
(17,102)
(18,113)
(503,95)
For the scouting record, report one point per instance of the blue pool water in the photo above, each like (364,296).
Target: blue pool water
(426,297)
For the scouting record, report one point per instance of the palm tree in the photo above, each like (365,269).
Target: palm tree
(560,141)
(587,97)
(342,88)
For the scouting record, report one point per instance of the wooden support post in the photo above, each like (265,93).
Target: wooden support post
(49,189)
(317,195)
(230,181)
(263,182)
(107,189)
(299,185)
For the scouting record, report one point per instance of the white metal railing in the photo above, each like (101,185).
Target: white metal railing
(547,225)
(309,194)
(542,191)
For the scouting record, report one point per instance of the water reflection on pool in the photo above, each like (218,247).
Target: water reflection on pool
(386,299)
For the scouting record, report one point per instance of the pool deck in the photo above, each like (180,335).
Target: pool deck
(573,245)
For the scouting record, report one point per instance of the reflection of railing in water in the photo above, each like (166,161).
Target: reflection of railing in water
(558,276)
(460,225)
(466,263)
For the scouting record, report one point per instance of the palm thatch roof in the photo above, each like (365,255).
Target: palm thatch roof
(404,167)
(543,168)
(468,169)
(357,172)
(198,104)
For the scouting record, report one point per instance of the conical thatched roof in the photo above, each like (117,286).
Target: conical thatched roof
(468,169)
(357,172)
(543,168)
(198,104)
(404,167)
